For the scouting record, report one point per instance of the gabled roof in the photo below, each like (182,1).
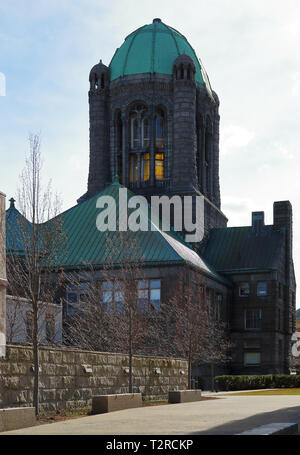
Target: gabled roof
(239,249)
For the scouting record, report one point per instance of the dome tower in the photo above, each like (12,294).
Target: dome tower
(154,120)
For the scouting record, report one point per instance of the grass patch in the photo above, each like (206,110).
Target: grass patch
(59,416)
(267,392)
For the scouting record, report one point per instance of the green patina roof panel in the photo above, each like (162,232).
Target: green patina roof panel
(239,248)
(153,49)
(86,245)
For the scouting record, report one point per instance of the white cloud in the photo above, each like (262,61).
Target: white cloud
(296,84)
(234,137)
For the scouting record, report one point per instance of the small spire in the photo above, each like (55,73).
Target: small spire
(12,203)
(157,19)
(116,179)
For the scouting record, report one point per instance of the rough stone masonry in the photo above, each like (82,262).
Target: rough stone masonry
(70,378)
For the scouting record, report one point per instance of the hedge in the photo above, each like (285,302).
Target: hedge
(250,382)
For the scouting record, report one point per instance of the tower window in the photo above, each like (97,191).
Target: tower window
(159,129)
(134,132)
(145,166)
(139,127)
(159,166)
(145,132)
(133,169)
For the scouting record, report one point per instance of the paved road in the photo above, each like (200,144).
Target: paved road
(226,415)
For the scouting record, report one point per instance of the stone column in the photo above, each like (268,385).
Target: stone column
(3,281)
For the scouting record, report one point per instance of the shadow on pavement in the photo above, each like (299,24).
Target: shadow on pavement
(291,415)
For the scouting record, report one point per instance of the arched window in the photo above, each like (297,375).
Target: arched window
(159,129)
(181,72)
(145,132)
(139,127)
(134,132)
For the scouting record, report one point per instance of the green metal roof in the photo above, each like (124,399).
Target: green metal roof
(153,49)
(86,245)
(239,249)
(18,230)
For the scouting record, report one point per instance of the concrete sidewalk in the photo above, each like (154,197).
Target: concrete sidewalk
(226,415)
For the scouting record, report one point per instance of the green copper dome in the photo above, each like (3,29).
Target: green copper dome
(153,49)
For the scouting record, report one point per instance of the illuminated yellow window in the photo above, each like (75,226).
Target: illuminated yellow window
(133,168)
(159,166)
(145,166)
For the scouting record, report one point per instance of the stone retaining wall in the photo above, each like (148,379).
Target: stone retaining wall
(71,377)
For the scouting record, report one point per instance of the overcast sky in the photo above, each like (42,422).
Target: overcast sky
(250,50)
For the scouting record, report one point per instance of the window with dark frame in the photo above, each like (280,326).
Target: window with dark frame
(76,295)
(149,293)
(244,289)
(113,296)
(253,319)
(252,358)
(262,288)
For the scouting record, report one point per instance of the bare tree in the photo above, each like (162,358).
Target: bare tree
(194,330)
(115,313)
(36,246)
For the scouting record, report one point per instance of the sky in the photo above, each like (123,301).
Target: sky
(249,48)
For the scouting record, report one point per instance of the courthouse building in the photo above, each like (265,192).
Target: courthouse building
(154,122)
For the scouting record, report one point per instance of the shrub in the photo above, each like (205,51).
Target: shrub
(252,382)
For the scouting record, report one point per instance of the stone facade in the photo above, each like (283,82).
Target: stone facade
(72,377)
(3,282)
(272,340)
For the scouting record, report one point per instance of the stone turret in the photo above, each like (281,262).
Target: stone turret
(99,170)
(184,175)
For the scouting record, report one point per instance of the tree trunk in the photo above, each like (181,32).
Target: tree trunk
(212,375)
(130,352)
(35,361)
(189,373)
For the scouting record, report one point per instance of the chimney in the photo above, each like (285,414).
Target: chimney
(283,218)
(258,222)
